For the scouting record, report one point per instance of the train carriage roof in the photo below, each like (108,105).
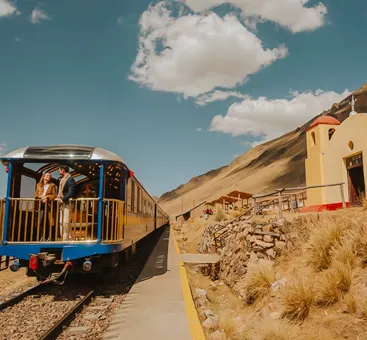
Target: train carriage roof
(63,152)
(66,152)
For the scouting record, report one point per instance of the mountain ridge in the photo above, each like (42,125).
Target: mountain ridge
(276,163)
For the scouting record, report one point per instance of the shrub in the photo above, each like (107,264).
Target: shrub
(297,299)
(258,279)
(333,283)
(220,214)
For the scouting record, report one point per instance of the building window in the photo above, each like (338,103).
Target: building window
(351,145)
(313,138)
(331,132)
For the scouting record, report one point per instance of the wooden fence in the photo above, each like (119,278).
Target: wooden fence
(279,197)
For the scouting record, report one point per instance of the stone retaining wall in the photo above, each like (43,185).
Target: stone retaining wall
(242,242)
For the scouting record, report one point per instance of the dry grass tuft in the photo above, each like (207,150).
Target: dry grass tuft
(333,283)
(258,279)
(343,275)
(358,237)
(351,301)
(327,290)
(362,306)
(345,252)
(324,239)
(220,214)
(363,200)
(275,330)
(229,322)
(297,299)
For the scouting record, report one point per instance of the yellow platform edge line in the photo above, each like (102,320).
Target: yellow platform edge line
(196,330)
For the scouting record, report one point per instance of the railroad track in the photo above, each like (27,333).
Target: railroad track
(95,319)
(99,304)
(78,310)
(15,299)
(55,330)
(42,312)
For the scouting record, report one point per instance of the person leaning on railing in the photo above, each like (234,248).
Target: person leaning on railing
(66,191)
(46,192)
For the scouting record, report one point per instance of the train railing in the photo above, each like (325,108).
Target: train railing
(30,220)
(113,220)
(2,215)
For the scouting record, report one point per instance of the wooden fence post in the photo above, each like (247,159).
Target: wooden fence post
(254,205)
(280,203)
(342,194)
(291,209)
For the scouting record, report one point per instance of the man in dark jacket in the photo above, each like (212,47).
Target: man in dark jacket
(66,191)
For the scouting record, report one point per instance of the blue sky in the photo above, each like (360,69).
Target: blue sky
(141,78)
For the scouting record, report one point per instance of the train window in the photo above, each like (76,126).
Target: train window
(27,189)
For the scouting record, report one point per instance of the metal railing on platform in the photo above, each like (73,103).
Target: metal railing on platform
(31,220)
(2,215)
(114,220)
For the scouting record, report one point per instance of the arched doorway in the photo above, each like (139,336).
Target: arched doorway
(356,183)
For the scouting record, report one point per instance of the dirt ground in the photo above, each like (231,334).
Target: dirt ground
(13,283)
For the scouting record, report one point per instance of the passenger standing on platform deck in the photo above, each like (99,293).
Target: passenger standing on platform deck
(66,191)
(46,192)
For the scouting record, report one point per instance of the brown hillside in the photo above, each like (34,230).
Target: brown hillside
(278,163)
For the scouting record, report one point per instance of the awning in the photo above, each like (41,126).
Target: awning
(241,194)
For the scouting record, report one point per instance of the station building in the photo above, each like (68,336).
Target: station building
(335,154)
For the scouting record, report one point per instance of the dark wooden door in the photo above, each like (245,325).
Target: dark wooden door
(356,185)
(353,195)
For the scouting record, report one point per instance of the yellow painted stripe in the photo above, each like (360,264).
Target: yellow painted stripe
(175,242)
(196,330)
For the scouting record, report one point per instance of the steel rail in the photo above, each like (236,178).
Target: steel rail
(16,299)
(58,327)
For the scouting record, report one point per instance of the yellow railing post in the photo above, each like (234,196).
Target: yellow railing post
(31,223)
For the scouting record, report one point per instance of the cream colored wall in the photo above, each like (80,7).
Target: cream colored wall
(352,129)
(315,167)
(325,160)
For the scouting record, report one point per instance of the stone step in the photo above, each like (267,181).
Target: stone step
(200,258)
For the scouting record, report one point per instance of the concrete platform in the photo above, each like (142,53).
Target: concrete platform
(200,258)
(159,305)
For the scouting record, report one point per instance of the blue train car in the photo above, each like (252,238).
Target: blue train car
(105,210)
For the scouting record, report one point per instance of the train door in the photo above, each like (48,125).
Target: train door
(356,183)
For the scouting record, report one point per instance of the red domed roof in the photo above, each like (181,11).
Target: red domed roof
(326,120)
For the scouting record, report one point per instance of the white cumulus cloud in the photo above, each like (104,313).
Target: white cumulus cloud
(294,15)
(246,143)
(7,8)
(2,149)
(267,119)
(194,54)
(38,14)
(218,95)
(199,129)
